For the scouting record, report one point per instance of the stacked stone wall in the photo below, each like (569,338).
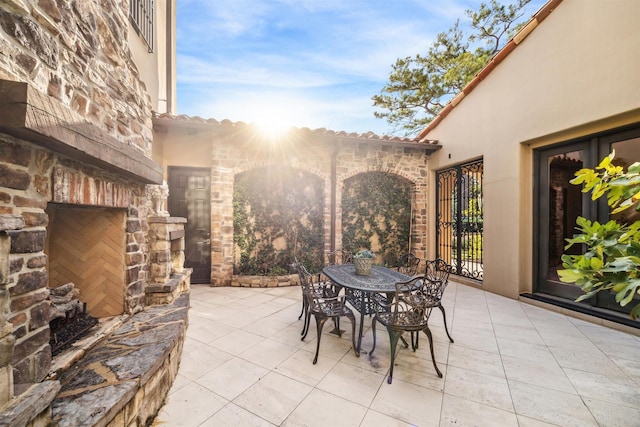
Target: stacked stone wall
(30,178)
(235,153)
(76,52)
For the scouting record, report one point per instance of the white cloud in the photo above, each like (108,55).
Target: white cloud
(320,61)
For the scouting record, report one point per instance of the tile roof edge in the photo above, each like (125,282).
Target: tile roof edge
(226,123)
(500,56)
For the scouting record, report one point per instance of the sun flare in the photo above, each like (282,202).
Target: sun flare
(273,123)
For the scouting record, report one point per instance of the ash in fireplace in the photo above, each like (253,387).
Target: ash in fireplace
(68,318)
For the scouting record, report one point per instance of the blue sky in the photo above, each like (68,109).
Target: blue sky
(305,63)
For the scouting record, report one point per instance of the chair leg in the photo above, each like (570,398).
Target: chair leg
(352,319)
(414,340)
(444,317)
(427,331)
(393,339)
(307,322)
(305,325)
(302,310)
(319,325)
(373,329)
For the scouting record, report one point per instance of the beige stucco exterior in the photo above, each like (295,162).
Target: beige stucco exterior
(575,74)
(157,68)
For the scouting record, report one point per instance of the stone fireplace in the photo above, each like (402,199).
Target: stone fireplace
(76,207)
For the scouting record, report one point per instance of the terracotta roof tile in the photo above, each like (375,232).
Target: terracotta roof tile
(183,119)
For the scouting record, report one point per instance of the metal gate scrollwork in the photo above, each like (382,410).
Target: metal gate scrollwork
(459,225)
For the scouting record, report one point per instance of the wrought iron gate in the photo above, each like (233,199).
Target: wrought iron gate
(459,223)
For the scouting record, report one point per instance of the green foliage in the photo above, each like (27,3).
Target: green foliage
(420,86)
(611,260)
(277,207)
(376,206)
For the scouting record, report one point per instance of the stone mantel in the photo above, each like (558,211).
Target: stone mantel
(31,115)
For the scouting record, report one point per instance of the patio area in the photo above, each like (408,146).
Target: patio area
(512,364)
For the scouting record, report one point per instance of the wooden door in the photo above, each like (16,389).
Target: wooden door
(190,197)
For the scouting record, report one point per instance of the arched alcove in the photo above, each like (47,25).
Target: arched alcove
(278,214)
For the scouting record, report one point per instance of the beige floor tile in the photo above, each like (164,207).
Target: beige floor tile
(476,360)
(476,339)
(322,409)
(206,330)
(190,407)
(602,335)
(551,406)
(523,350)
(274,397)
(376,419)
(461,412)
(526,334)
(237,342)
(232,378)
(179,382)
(417,368)
(330,345)
(612,415)
(408,402)
(234,416)
(268,353)
(624,351)
(622,391)
(266,327)
(630,367)
(591,361)
(300,367)
(291,335)
(542,373)
(480,388)
(530,422)
(198,359)
(351,383)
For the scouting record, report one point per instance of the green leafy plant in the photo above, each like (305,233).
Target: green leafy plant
(376,207)
(277,216)
(611,260)
(365,254)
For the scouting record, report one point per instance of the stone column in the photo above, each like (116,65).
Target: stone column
(7,340)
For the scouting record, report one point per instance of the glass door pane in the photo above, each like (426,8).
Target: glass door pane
(560,203)
(627,152)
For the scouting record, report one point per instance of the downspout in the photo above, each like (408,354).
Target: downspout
(169,60)
(334,193)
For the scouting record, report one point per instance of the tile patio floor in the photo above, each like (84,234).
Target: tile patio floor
(512,364)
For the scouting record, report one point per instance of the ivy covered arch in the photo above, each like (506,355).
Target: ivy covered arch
(278,213)
(377,214)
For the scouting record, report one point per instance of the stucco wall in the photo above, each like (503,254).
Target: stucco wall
(575,74)
(160,86)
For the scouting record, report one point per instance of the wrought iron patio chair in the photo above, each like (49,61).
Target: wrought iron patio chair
(326,288)
(339,256)
(330,258)
(409,264)
(438,270)
(323,304)
(408,311)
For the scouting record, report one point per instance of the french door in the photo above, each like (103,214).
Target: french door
(558,204)
(190,197)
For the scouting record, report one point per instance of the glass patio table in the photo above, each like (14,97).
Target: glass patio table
(358,289)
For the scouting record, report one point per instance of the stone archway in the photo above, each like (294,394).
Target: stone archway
(332,157)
